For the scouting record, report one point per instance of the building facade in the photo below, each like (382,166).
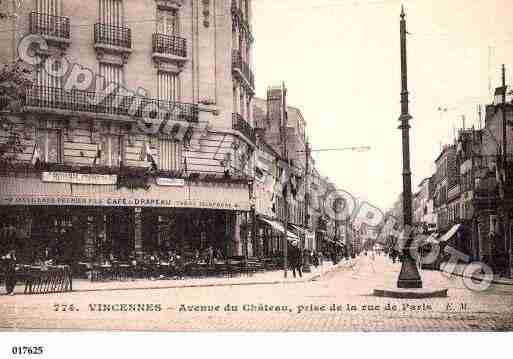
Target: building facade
(137,135)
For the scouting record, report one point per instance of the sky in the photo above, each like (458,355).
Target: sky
(340,61)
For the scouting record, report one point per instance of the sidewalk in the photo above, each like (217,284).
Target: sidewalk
(459,271)
(271,277)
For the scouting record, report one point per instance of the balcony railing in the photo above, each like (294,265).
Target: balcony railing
(239,64)
(112,35)
(170,44)
(49,25)
(241,125)
(84,101)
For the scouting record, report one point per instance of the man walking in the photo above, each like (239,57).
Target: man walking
(295,261)
(10,271)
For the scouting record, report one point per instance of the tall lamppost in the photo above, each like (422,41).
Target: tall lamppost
(409,276)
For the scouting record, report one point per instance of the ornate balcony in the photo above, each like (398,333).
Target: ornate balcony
(169,49)
(170,44)
(51,98)
(55,29)
(113,39)
(241,125)
(243,69)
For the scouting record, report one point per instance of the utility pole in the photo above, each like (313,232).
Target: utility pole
(307,171)
(409,276)
(505,205)
(285,157)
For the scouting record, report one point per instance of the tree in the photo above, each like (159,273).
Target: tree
(15,80)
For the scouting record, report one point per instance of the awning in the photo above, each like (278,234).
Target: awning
(450,233)
(279,227)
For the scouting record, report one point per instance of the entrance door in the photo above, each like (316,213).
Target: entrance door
(119,234)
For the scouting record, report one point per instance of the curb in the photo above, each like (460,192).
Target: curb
(208,285)
(314,278)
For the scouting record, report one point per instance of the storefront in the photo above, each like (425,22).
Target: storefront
(271,235)
(71,217)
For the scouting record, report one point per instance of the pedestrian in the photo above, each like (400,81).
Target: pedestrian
(315,259)
(295,261)
(372,260)
(10,271)
(210,255)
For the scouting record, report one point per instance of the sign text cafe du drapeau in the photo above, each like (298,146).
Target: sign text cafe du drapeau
(73,217)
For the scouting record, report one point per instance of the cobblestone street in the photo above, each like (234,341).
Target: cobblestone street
(341,300)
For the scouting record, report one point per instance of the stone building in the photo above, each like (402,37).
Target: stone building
(270,119)
(493,185)
(138,132)
(445,179)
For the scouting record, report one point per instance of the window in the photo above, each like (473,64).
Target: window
(242,102)
(49,7)
(44,79)
(167,22)
(168,86)
(50,143)
(112,73)
(113,150)
(170,155)
(110,12)
(235,98)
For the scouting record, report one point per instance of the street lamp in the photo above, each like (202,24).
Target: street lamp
(409,276)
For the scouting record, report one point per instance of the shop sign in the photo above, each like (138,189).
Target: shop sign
(79,178)
(171,182)
(122,202)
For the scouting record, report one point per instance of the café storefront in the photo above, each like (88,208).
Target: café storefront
(70,217)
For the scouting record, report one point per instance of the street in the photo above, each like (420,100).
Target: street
(341,300)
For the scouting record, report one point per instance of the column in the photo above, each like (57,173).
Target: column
(137,232)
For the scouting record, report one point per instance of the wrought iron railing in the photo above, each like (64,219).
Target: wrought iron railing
(241,125)
(112,35)
(114,104)
(170,44)
(241,65)
(49,25)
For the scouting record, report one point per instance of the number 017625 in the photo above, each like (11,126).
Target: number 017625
(26,350)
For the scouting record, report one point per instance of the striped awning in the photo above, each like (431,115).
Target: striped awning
(279,227)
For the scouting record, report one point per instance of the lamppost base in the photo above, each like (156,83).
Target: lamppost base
(409,276)
(414,293)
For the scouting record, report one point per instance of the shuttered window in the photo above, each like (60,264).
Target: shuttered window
(168,86)
(170,155)
(112,73)
(112,150)
(110,12)
(50,144)
(49,7)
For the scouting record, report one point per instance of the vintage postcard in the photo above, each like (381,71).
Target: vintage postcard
(256,165)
